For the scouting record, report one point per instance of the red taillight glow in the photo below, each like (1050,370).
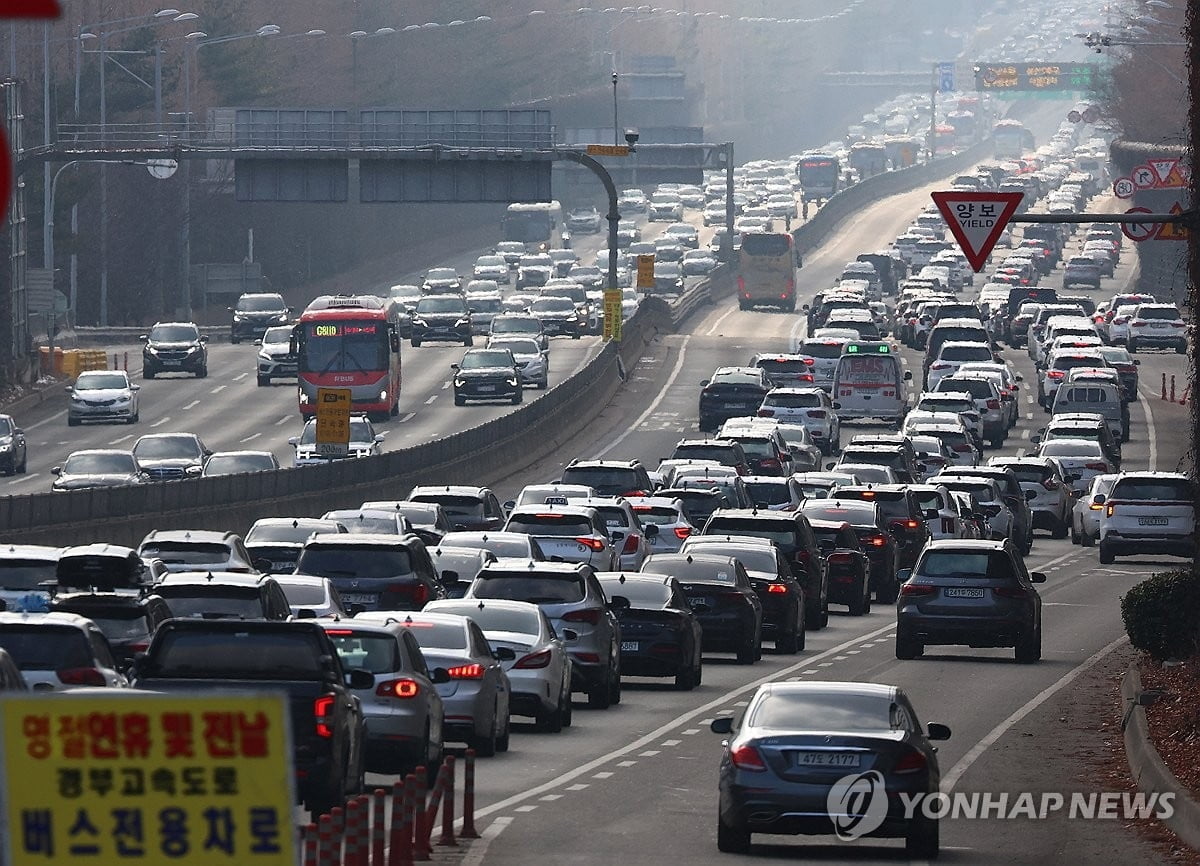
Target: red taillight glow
(877,540)
(1098,467)
(840,558)
(913,590)
(741,281)
(1009,591)
(768,463)
(534,660)
(682,532)
(590,615)
(405,688)
(80,677)
(910,762)
(777,588)
(906,524)
(592,543)
(766,413)
(747,758)
(1056,374)
(466,672)
(323,711)
(1050,483)
(631,543)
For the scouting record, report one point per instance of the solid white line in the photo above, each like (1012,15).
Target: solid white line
(654,404)
(713,328)
(478,850)
(161,421)
(1151,434)
(25,477)
(668,727)
(964,763)
(191,405)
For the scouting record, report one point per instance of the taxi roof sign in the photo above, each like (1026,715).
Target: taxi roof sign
(977,219)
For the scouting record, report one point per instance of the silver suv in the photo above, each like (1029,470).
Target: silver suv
(574,533)
(572,597)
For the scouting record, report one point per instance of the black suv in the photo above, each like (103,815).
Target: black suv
(487,374)
(442,317)
(732,392)
(174,347)
(254,313)
(610,477)
(382,572)
(794,535)
(900,509)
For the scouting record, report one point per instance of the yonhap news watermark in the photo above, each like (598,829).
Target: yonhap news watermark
(858,805)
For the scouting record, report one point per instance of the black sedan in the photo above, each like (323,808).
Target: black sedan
(12,446)
(660,634)
(559,316)
(718,589)
(803,750)
(848,565)
(487,374)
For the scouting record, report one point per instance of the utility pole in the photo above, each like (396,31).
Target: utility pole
(1193,242)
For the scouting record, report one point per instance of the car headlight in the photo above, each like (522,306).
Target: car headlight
(383,396)
(417,320)
(152,350)
(263,356)
(75,398)
(458,383)
(512,380)
(6,443)
(239,317)
(191,350)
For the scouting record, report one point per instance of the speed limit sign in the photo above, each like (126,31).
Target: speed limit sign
(1123,187)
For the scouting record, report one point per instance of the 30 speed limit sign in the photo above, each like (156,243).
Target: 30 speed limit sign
(1123,187)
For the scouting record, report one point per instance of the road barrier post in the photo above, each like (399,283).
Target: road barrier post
(1172,387)
(1164,387)
(447,837)
(309,835)
(353,833)
(325,855)
(468,827)
(126,367)
(378,818)
(422,822)
(400,845)
(1186,393)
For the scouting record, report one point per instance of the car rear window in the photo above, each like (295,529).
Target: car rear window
(723,454)
(455,506)
(359,561)
(25,573)
(1031,474)
(782,532)
(236,655)
(1166,489)
(966,353)
(828,712)
(757,448)
(641,593)
(777,365)
(531,587)
(769,492)
(213,601)
(793,401)
(977,388)
(550,524)
(46,648)
(893,505)
(821,349)
(602,477)
(436,635)
(1169,313)
(954,563)
(185,553)
(374,653)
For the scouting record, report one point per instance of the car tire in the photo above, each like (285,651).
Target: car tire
(908,649)
(485,745)
(886,593)
(518,397)
(789,642)
(860,606)
(1060,530)
(685,681)
(1086,539)
(133,419)
(503,741)
(921,842)
(1181,349)
(459,401)
(72,422)
(1107,557)
(732,840)
(996,441)
(264,381)
(614,688)
(469,342)
(415,343)
(202,373)
(747,652)
(1076,538)
(1029,647)
(568,708)
(812,619)
(24,465)
(147,374)
(1131,345)
(544,384)
(233,338)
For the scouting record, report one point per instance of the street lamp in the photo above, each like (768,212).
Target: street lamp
(616,126)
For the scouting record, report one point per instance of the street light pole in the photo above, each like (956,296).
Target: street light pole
(103,191)
(616,126)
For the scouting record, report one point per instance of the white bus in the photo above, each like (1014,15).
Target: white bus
(538,225)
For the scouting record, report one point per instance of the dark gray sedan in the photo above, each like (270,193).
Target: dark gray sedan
(828,758)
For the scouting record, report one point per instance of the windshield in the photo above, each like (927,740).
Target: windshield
(528,227)
(286,532)
(441,304)
(532,587)
(260,304)
(174,334)
(486,358)
(782,533)
(961,563)
(491,262)
(1169,313)
(345,346)
(101,382)
(299,594)
(186,552)
(486,305)
(99,464)
(364,562)
(818,349)
(518,547)
(552,305)
(723,454)
(769,492)
(277,335)
(827,712)
(221,464)
(166,447)
(832,509)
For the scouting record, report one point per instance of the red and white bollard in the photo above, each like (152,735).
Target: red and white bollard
(354,834)
(421,819)
(468,828)
(377,827)
(447,778)
(326,855)
(310,845)
(401,838)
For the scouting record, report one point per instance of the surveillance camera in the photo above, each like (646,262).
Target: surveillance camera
(614,76)
(631,136)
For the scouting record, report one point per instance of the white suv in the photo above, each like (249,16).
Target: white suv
(59,651)
(1157,325)
(811,407)
(1147,512)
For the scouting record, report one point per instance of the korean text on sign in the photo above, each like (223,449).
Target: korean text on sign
(147,778)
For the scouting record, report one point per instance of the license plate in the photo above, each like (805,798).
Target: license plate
(826,759)
(697,601)
(964,593)
(487,388)
(629,646)
(360,597)
(1160,324)
(172,363)
(733,406)
(1153,521)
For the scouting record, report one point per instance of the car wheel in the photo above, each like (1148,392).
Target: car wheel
(732,840)
(907,649)
(1131,345)
(24,464)
(202,373)
(598,697)
(789,642)
(747,652)
(887,592)
(133,419)
(1029,647)
(996,441)
(264,381)
(685,681)
(485,745)
(518,397)
(1086,539)
(233,338)
(544,384)
(147,374)
(502,742)
(72,422)
(860,606)
(1060,530)
(568,708)
(921,841)
(415,343)
(1181,349)
(1107,557)
(614,687)
(1076,538)
(469,341)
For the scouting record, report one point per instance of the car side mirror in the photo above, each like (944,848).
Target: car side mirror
(722,725)
(650,530)
(143,338)
(508,505)
(704,383)
(837,406)
(379,437)
(1098,499)
(68,388)
(569,634)
(204,338)
(1137,362)
(292,440)
(258,342)
(618,602)
(829,466)
(616,535)
(1020,378)
(135,387)
(1035,439)
(505,653)
(439,676)
(1037,576)
(908,375)
(454,366)
(934,731)
(1030,495)
(263,565)
(449,577)
(360,679)
(229,309)
(56,470)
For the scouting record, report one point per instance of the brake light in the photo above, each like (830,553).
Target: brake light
(466,672)
(682,532)
(590,615)
(766,413)
(840,559)
(877,540)
(1138,322)
(1098,467)
(768,463)
(816,413)
(80,677)
(913,590)
(906,524)
(323,710)
(632,493)
(741,281)
(592,543)
(534,660)
(139,647)
(993,404)
(777,588)
(1009,591)
(631,543)
(910,762)
(1056,374)
(747,758)
(405,688)
(809,362)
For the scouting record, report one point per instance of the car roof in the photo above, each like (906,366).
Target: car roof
(212,578)
(360,539)
(31,551)
(199,536)
(452,489)
(49,618)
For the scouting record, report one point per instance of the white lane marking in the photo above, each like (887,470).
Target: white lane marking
(161,421)
(1025,433)
(121,439)
(671,725)
(42,423)
(550,798)
(825,664)
(840,658)
(605,775)
(670,742)
(654,404)
(741,703)
(284,420)
(240,376)
(623,764)
(1151,435)
(965,762)
(578,787)
(649,753)
(527,808)
(445,385)
(251,437)
(713,329)
(407,417)
(810,671)
(476,853)
(690,731)
(191,405)
(25,477)
(219,389)
(432,397)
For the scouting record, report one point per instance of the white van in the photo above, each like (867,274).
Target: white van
(869,384)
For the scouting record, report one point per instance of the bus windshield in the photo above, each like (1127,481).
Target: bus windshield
(344,345)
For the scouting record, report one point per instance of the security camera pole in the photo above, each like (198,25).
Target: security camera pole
(616,126)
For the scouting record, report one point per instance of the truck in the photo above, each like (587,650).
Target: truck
(1148,513)
(295,658)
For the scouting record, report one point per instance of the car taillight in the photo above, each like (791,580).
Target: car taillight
(940,367)
(768,463)
(404,688)
(1010,591)
(777,588)
(591,543)
(1177,324)
(323,711)
(808,362)
(963,447)
(910,762)
(766,413)
(993,404)
(747,758)
(632,493)
(466,672)
(816,413)
(840,558)
(1098,467)
(877,540)
(906,524)
(590,615)
(1056,374)
(139,647)
(741,281)
(1109,510)
(682,532)
(1138,322)
(631,543)
(913,590)
(81,677)
(806,377)
(534,660)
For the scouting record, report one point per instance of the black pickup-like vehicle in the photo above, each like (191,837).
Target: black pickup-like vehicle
(296,658)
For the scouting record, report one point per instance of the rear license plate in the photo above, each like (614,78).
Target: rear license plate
(629,646)
(1160,324)
(1153,521)
(964,593)
(360,597)
(733,406)
(826,759)
(697,601)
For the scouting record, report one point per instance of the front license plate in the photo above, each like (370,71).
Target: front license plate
(1153,521)
(488,388)
(360,597)
(964,593)
(826,759)
(629,646)
(172,363)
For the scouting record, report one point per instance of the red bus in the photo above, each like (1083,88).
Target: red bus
(350,341)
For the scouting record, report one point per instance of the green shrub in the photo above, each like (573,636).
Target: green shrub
(1162,615)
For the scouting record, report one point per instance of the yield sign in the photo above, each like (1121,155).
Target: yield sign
(977,219)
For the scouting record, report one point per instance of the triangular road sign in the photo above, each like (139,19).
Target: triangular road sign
(1162,168)
(1172,231)
(30,9)
(977,219)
